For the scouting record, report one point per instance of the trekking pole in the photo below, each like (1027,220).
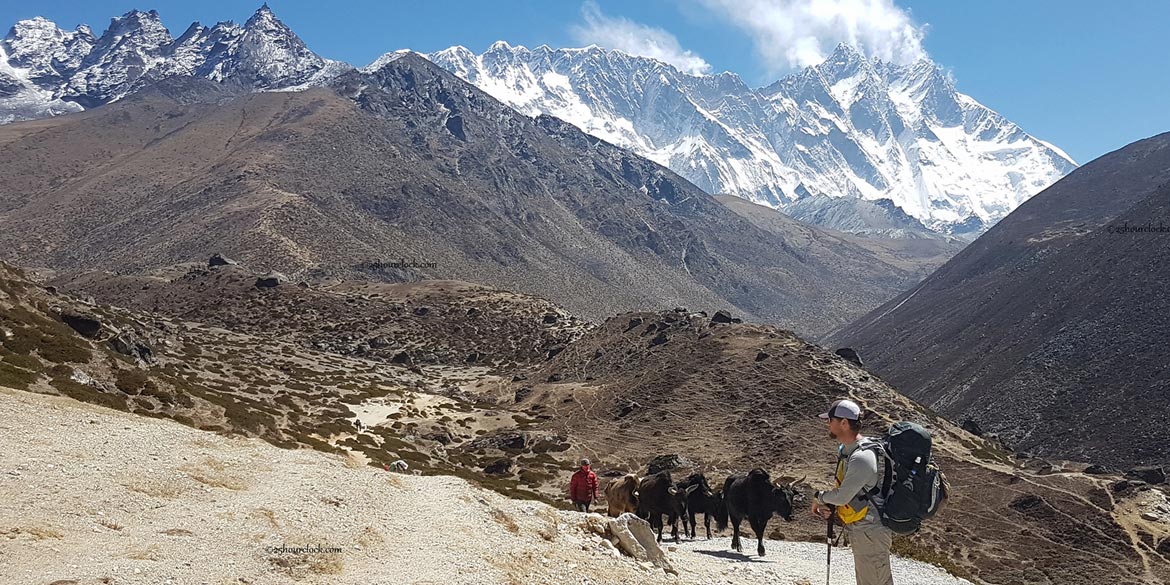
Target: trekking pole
(829,541)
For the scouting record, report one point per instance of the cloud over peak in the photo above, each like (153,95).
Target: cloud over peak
(635,38)
(792,34)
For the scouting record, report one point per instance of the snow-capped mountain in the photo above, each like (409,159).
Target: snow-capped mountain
(45,71)
(847,127)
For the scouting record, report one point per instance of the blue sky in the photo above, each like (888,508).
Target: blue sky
(1086,76)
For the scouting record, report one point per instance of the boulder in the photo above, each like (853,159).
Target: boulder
(762,355)
(549,318)
(627,409)
(971,426)
(271,280)
(523,393)
(1151,474)
(474,312)
(635,322)
(665,462)
(379,342)
(636,539)
(1096,469)
(131,344)
(659,339)
(499,467)
(218,259)
(850,355)
(722,317)
(553,351)
(422,311)
(87,324)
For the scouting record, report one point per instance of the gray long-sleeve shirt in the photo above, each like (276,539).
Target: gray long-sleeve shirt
(861,475)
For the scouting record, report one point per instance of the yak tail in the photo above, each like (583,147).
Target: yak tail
(721,515)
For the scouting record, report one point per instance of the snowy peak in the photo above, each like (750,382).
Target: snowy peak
(50,68)
(132,45)
(847,127)
(271,55)
(47,53)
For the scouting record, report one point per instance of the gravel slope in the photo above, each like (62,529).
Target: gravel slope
(90,495)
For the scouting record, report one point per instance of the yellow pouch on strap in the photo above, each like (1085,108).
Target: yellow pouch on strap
(846,513)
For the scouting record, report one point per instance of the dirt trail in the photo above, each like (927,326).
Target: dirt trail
(91,495)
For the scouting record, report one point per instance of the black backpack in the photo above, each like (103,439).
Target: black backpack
(913,487)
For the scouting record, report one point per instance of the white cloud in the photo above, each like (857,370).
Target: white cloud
(790,34)
(636,39)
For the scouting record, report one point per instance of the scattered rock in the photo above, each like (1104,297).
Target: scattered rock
(549,318)
(850,355)
(129,343)
(1151,517)
(379,342)
(553,351)
(519,377)
(271,280)
(762,355)
(88,325)
(401,358)
(475,357)
(218,259)
(555,377)
(1096,469)
(659,339)
(635,322)
(474,312)
(422,311)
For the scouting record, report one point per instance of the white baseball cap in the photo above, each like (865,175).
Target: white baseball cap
(843,409)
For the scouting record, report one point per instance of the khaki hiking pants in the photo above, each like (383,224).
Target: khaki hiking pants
(871,552)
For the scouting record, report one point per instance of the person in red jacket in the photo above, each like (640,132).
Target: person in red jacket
(583,487)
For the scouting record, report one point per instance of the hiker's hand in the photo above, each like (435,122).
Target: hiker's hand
(820,511)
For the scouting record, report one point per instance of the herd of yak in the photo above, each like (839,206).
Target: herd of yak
(752,496)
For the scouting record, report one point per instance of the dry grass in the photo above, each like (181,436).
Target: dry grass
(214,473)
(169,489)
(268,515)
(504,519)
(177,532)
(150,553)
(111,524)
(41,532)
(551,529)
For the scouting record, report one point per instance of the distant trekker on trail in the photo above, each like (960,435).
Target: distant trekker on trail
(858,480)
(583,487)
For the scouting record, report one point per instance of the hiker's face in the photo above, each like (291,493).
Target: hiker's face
(835,428)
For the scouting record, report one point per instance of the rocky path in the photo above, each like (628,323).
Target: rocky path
(90,495)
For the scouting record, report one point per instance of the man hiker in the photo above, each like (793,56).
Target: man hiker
(583,487)
(858,480)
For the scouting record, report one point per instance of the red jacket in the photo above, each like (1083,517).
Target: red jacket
(583,486)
